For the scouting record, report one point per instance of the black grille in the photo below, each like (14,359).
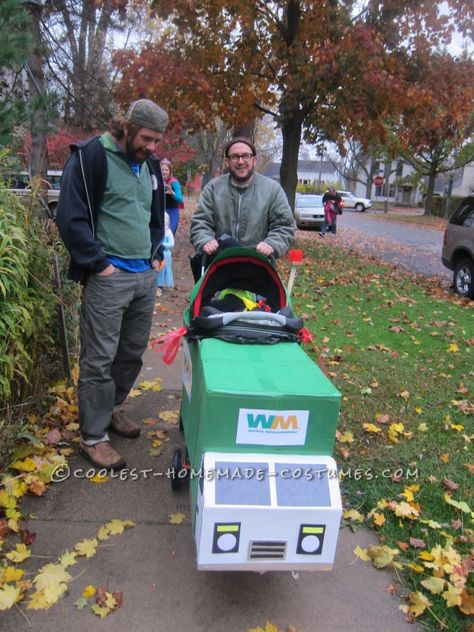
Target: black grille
(267,550)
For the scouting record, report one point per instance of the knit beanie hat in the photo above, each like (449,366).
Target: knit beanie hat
(240,139)
(145,113)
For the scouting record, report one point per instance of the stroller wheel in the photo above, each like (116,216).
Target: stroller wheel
(181,427)
(176,477)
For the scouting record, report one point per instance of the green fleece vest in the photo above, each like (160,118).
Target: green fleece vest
(123,226)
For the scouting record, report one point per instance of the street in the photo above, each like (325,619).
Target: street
(407,246)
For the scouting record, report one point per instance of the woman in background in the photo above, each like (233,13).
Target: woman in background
(173,193)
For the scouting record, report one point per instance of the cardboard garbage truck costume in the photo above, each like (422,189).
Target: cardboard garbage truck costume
(259,420)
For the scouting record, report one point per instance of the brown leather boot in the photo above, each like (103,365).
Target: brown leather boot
(123,426)
(102,455)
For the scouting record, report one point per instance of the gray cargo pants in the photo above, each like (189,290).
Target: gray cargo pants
(116,316)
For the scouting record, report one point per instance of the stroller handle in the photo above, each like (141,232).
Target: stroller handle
(229,317)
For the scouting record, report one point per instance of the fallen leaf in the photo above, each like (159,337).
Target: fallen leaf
(86,547)
(8,596)
(176,518)
(419,603)
(416,543)
(434,584)
(20,554)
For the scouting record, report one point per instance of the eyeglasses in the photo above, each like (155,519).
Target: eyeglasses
(234,158)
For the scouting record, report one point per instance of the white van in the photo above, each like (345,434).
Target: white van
(20,184)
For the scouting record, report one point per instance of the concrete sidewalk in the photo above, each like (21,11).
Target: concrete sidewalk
(153,564)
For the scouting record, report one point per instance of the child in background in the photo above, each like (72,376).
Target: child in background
(165,276)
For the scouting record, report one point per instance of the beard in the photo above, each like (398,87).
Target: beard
(135,154)
(240,179)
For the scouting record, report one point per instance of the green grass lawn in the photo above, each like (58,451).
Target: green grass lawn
(400,352)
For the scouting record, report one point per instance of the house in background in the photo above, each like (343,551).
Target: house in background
(316,172)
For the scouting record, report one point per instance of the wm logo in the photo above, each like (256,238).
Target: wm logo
(272,422)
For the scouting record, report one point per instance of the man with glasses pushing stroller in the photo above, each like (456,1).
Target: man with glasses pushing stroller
(243,206)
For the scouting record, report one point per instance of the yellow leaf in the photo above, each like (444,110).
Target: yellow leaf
(49,575)
(404,510)
(89,591)
(68,559)
(346,437)
(405,395)
(86,547)
(8,596)
(408,495)
(20,554)
(110,601)
(452,596)
(100,611)
(353,515)
(15,487)
(464,507)
(27,465)
(419,603)
(434,584)
(103,533)
(170,416)
(361,554)
(6,500)
(416,567)
(371,427)
(381,556)
(135,393)
(418,410)
(379,519)
(98,478)
(151,386)
(116,527)
(394,430)
(423,427)
(176,518)
(453,348)
(11,574)
(426,555)
(269,627)
(38,601)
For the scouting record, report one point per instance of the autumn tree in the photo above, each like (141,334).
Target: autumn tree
(437,118)
(78,33)
(318,68)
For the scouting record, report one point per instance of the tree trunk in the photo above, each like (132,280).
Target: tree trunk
(291,133)
(370,179)
(247,130)
(429,192)
(39,149)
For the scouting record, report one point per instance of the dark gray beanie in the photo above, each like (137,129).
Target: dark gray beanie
(145,113)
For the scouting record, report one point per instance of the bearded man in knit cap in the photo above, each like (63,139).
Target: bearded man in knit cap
(110,216)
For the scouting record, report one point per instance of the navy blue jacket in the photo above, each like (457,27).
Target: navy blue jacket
(82,190)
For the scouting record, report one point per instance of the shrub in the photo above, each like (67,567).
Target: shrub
(30,352)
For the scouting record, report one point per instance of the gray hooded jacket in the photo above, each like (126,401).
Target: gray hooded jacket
(260,213)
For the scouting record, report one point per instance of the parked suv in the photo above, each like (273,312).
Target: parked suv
(458,248)
(21,185)
(351,201)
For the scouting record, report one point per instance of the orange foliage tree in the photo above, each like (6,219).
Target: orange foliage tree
(437,116)
(326,69)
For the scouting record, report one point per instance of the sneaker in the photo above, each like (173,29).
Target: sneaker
(159,292)
(123,426)
(322,235)
(102,455)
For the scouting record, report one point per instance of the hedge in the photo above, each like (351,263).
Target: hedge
(30,352)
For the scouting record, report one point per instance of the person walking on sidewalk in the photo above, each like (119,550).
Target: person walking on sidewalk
(110,216)
(173,193)
(243,205)
(332,203)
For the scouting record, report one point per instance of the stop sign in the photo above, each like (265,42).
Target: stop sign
(378,181)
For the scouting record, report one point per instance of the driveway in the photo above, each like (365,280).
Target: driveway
(407,246)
